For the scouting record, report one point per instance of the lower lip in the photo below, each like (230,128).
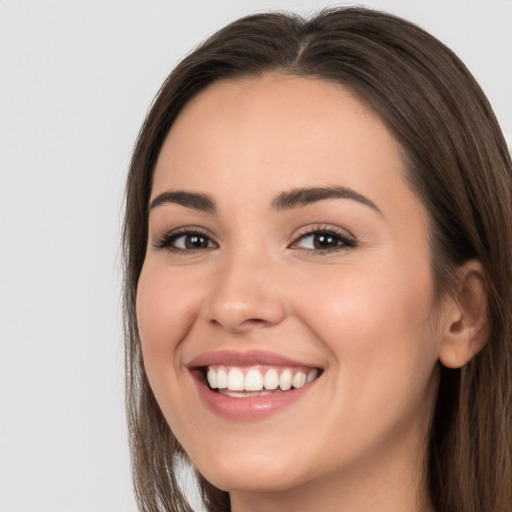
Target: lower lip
(249,408)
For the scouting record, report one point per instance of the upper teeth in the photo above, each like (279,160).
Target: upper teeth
(255,379)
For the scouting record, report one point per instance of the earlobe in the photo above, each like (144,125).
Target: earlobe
(466,327)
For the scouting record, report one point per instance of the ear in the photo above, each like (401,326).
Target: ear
(466,321)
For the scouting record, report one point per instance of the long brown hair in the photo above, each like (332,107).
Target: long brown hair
(459,165)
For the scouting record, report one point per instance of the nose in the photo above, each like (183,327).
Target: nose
(245,295)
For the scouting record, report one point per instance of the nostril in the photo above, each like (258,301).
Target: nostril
(239,325)
(256,321)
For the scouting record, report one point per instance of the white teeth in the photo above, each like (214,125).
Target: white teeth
(312,375)
(299,379)
(222,379)
(245,394)
(212,378)
(271,380)
(253,382)
(236,380)
(285,380)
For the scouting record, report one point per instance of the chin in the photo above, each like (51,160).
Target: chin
(257,473)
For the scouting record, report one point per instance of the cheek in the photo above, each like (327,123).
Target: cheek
(375,322)
(164,314)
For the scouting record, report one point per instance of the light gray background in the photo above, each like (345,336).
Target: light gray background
(76,79)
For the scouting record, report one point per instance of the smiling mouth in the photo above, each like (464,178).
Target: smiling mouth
(243,382)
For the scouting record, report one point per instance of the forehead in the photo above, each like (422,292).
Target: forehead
(266,134)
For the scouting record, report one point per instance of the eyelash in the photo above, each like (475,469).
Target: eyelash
(343,239)
(169,238)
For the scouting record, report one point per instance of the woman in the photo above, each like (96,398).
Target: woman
(318,278)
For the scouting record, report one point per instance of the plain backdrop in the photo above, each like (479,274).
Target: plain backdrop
(76,79)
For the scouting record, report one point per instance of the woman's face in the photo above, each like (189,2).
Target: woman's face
(285,245)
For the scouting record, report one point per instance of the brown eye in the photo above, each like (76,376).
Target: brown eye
(194,241)
(324,241)
(186,241)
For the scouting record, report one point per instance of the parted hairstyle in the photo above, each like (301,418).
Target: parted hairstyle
(457,162)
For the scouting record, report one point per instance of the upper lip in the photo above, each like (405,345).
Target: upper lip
(245,358)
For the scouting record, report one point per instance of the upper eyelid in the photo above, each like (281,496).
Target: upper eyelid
(308,229)
(319,228)
(185,230)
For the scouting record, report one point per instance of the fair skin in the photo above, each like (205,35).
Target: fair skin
(341,283)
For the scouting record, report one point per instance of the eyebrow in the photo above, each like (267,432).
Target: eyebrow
(288,200)
(201,202)
(300,197)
